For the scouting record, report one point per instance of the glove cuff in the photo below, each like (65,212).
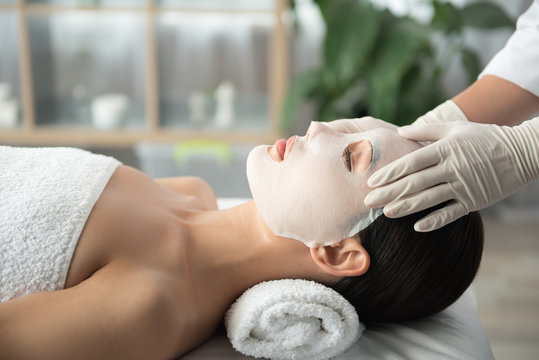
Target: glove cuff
(524,139)
(445,112)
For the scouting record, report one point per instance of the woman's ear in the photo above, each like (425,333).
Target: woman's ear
(345,258)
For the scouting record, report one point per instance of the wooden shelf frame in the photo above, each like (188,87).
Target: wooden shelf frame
(29,133)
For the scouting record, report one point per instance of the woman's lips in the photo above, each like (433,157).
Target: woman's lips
(280,146)
(283,147)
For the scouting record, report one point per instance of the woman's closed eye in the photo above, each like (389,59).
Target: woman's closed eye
(346,158)
(357,156)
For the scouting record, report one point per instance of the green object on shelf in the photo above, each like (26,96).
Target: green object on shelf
(215,149)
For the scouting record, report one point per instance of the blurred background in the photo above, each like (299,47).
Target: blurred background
(188,87)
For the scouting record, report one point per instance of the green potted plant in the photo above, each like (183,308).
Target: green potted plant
(379,64)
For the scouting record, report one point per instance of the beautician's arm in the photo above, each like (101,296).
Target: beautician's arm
(468,165)
(105,317)
(493,100)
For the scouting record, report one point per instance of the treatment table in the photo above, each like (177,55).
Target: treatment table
(455,333)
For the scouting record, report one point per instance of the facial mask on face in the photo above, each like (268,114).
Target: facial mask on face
(311,196)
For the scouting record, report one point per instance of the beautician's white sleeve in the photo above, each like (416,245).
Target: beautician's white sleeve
(518,61)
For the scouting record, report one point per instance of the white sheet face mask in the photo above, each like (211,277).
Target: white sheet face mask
(312,195)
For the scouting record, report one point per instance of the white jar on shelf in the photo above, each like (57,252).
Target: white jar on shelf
(108,110)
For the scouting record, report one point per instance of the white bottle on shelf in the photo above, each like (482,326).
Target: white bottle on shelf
(81,107)
(224,112)
(197,108)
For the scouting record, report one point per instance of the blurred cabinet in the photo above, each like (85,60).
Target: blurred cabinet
(116,72)
(9,71)
(72,68)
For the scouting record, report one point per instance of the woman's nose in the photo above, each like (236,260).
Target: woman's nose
(317,127)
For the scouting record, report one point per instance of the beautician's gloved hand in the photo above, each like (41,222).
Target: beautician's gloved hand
(472,165)
(445,112)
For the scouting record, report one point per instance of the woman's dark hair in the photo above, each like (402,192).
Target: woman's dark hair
(413,274)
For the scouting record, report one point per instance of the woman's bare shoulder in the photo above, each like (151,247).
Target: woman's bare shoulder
(193,186)
(115,314)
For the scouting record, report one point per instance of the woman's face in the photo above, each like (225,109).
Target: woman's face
(311,188)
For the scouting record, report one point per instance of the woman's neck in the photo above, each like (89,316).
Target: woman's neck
(232,250)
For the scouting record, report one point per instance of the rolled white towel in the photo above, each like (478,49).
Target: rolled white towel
(292,319)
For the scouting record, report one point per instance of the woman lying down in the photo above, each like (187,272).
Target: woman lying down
(100,261)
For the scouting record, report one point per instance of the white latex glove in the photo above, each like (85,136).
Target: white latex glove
(445,112)
(472,165)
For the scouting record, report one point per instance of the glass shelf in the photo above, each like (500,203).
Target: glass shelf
(219,4)
(84,67)
(88,70)
(205,58)
(9,72)
(91,3)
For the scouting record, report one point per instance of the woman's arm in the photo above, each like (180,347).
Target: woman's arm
(494,100)
(112,315)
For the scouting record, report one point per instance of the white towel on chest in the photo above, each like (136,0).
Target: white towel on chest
(46,195)
(292,319)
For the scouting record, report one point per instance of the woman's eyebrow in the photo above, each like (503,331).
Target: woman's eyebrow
(346,158)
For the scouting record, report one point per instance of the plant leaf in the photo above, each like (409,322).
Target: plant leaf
(485,15)
(420,92)
(382,97)
(352,27)
(471,63)
(325,8)
(446,17)
(303,87)
(398,47)
(327,112)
